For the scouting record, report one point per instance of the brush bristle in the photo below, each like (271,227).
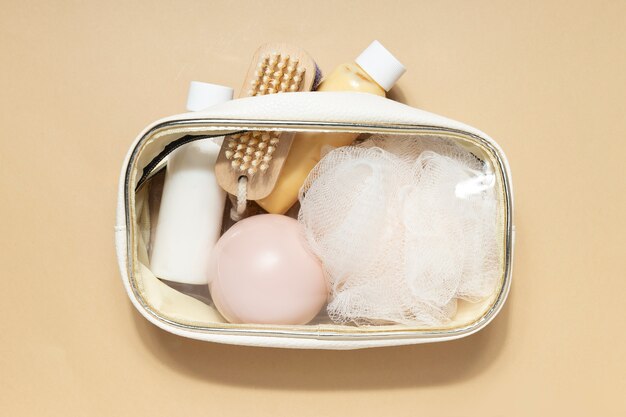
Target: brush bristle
(251,152)
(276,73)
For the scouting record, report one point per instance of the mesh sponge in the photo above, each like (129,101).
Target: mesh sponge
(404,227)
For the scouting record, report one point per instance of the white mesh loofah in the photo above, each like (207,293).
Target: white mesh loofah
(403,227)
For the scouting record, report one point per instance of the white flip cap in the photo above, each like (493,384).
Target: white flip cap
(381,65)
(202,95)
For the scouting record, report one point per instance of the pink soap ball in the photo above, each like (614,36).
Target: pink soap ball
(262,272)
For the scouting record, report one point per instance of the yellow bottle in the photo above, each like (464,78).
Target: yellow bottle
(375,71)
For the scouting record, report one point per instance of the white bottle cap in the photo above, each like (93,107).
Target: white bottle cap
(202,95)
(379,64)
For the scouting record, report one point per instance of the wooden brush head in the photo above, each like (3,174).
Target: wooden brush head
(259,155)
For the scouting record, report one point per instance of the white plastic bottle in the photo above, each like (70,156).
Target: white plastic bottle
(192,204)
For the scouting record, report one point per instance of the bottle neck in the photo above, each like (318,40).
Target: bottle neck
(369,77)
(351,77)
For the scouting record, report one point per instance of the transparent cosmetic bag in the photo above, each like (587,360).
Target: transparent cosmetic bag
(193,315)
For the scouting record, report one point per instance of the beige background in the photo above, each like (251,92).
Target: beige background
(78,81)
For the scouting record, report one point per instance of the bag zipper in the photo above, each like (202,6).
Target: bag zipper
(169,148)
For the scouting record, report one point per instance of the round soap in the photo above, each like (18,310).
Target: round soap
(262,272)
